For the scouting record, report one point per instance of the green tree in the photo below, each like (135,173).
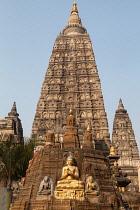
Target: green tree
(14,162)
(26,156)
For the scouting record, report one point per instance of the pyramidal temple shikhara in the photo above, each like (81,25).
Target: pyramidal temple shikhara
(72,81)
(76,166)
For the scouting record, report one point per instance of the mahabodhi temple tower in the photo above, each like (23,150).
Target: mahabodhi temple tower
(75,165)
(72,81)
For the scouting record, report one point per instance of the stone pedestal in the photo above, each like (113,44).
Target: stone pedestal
(44,197)
(70,194)
(93,197)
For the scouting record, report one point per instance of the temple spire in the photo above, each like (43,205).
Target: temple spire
(120,106)
(74,9)
(68,88)
(13,110)
(74,25)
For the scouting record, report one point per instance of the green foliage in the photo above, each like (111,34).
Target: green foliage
(15,159)
(10,156)
(26,156)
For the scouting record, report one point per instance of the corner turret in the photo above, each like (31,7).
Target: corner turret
(123,138)
(11,126)
(13,112)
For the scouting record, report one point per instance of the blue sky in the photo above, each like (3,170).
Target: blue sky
(28,30)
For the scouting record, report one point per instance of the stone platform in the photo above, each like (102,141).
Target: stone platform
(70,194)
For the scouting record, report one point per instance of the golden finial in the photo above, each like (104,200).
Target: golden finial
(74,9)
(70,112)
(115,163)
(112,151)
(88,128)
(56,135)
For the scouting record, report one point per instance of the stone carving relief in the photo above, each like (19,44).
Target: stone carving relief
(50,138)
(84,66)
(89,66)
(92,71)
(91,57)
(83,114)
(46,186)
(82,97)
(88,53)
(46,87)
(49,72)
(91,186)
(57,115)
(16,187)
(79,66)
(87,168)
(55,67)
(70,66)
(89,114)
(57,54)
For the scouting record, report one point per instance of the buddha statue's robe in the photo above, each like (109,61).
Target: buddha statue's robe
(69,186)
(70,178)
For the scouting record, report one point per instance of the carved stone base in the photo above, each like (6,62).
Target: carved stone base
(93,197)
(70,194)
(93,193)
(43,197)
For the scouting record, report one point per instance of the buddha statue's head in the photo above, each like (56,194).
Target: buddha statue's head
(50,138)
(46,179)
(70,161)
(90,179)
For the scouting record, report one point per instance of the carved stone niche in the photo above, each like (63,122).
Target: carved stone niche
(92,190)
(91,186)
(45,189)
(70,186)
(50,139)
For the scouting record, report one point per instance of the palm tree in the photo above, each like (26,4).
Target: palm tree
(14,162)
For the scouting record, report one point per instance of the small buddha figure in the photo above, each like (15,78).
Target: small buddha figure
(57,142)
(46,186)
(91,186)
(50,139)
(71,138)
(88,138)
(116,169)
(16,186)
(70,119)
(70,176)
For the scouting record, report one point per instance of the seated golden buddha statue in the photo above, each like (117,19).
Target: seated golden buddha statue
(70,176)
